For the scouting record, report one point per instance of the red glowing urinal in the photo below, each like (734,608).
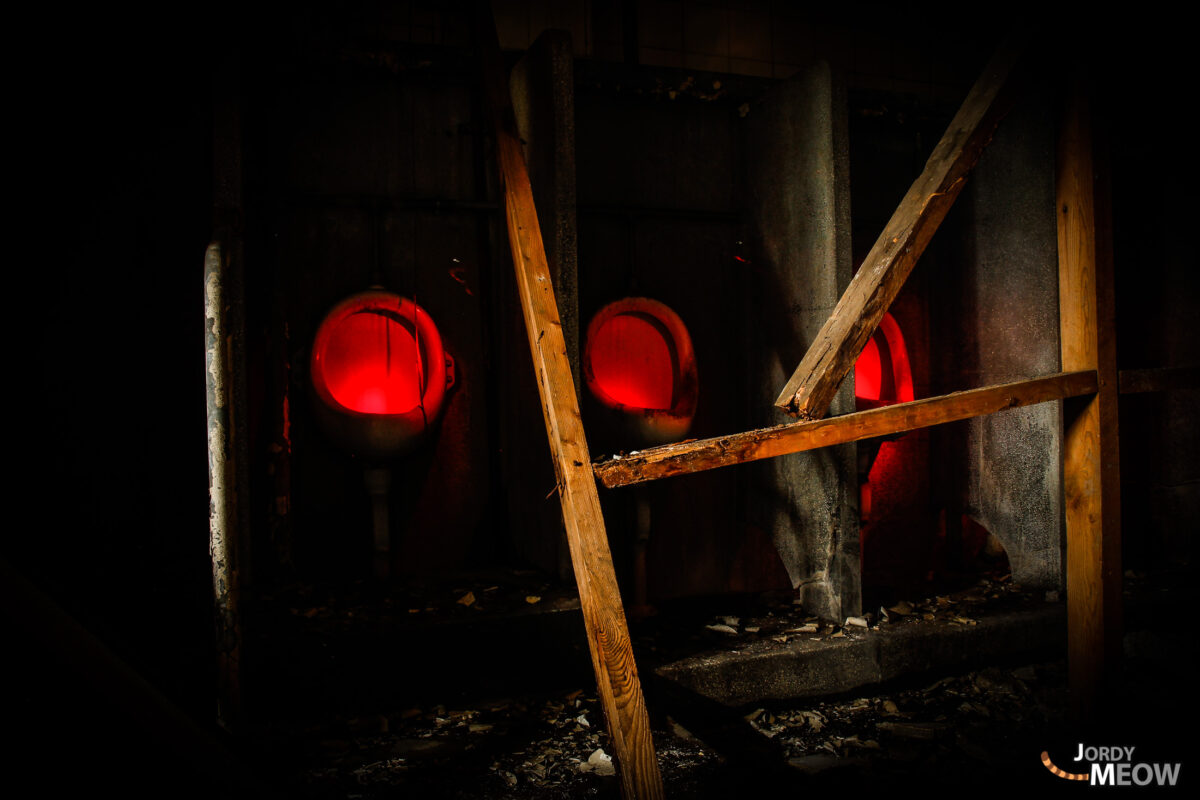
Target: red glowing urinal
(638,362)
(379,373)
(380,376)
(882,375)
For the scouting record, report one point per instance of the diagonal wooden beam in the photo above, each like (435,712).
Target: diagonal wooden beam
(604,616)
(875,285)
(704,454)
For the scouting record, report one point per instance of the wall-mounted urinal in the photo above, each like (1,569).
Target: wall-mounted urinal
(882,377)
(639,364)
(380,378)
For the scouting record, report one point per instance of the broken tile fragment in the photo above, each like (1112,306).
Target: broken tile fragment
(599,762)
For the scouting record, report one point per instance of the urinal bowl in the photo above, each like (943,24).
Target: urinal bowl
(639,363)
(379,374)
(882,374)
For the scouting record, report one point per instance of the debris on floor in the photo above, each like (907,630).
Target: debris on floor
(977,728)
(967,725)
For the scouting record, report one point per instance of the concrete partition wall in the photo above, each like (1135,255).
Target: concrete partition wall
(798,231)
(999,299)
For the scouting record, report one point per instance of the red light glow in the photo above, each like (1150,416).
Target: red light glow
(372,364)
(882,374)
(633,361)
(868,372)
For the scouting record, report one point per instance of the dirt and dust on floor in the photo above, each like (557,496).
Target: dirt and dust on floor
(981,727)
(959,730)
(975,729)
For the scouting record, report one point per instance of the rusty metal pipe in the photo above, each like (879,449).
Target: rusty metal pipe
(379,484)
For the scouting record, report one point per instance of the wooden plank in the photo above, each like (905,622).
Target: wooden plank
(604,616)
(703,454)
(1091,477)
(832,353)
(1164,379)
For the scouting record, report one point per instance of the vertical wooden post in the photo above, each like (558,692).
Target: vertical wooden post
(1091,476)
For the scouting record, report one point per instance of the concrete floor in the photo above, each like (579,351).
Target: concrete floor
(963,690)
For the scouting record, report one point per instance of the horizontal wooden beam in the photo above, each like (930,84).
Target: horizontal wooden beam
(832,353)
(1165,379)
(698,455)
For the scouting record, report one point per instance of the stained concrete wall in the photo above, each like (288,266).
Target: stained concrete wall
(799,230)
(1003,293)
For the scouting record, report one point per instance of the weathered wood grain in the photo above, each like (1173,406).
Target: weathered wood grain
(832,353)
(1091,476)
(722,451)
(604,616)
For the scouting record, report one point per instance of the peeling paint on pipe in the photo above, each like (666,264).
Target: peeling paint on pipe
(222,347)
